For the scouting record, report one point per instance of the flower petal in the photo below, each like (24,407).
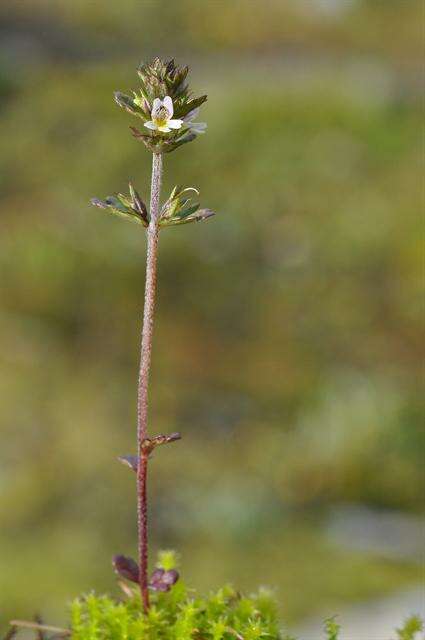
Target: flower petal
(168,104)
(150,125)
(175,124)
(156,104)
(164,129)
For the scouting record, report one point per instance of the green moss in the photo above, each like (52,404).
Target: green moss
(181,615)
(410,629)
(178,615)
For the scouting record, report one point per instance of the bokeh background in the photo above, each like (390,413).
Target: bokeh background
(288,336)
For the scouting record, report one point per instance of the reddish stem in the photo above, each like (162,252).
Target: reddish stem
(143,530)
(143,386)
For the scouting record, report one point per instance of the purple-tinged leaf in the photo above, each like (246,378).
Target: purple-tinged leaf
(162,580)
(170,577)
(172,437)
(149,444)
(126,568)
(157,575)
(130,461)
(99,203)
(115,203)
(138,203)
(204,214)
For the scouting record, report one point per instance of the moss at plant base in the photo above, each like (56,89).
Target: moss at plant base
(177,615)
(181,615)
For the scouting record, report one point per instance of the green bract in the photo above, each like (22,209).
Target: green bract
(178,209)
(129,207)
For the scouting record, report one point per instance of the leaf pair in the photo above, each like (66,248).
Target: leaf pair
(148,445)
(160,580)
(178,209)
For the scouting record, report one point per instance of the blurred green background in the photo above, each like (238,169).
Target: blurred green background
(288,336)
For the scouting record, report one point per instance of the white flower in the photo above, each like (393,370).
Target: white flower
(162,114)
(196,127)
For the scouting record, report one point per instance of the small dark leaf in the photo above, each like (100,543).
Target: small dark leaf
(170,577)
(172,437)
(98,203)
(157,575)
(122,206)
(204,214)
(185,213)
(138,203)
(126,568)
(162,580)
(130,461)
(175,144)
(149,444)
(116,203)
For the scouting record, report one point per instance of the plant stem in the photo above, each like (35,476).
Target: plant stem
(145,363)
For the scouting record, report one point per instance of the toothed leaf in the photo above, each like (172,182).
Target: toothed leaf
(127,102)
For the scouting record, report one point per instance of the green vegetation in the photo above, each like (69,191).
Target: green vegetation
(182,615)
(176,616)
(411,627)
(223,615)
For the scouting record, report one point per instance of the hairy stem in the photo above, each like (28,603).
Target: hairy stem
(143,386)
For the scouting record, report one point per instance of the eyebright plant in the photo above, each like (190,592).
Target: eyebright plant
(167,111)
